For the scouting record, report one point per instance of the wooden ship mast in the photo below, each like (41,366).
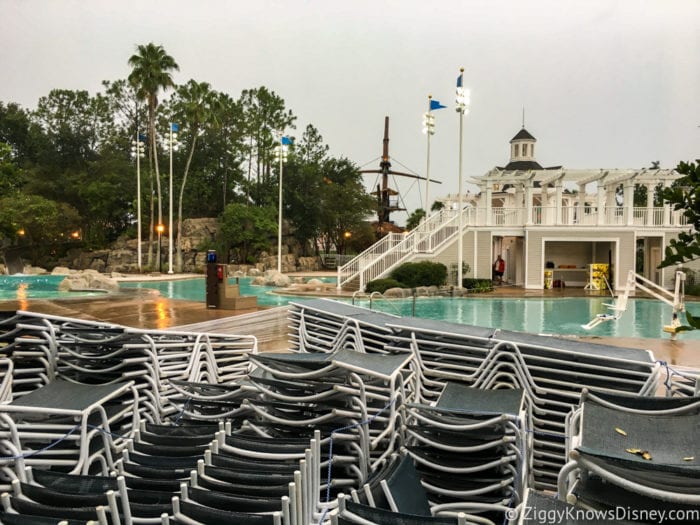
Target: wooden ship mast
(385,204)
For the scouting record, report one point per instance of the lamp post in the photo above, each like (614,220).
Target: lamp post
(281,153)
(137,151)
(462,100)
(172,144)
(160,229)
(429,130)
(346,236)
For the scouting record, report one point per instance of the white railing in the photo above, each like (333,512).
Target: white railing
(506,216)
(395,248)
(441,227)
(586,216)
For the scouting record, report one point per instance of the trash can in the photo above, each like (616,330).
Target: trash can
(215,284)
(548,277)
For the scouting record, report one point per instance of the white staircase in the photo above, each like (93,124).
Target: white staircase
(432,236)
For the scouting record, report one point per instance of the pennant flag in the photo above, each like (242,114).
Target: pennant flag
(435,104)
(459,80)
(286,141)
(175,127)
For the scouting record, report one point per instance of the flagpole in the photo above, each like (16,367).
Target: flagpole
(429,132)
(279,224)
(462,99)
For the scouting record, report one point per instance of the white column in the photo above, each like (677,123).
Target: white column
(558,197)
(650,205)
(528,203)
(488,205)
(601,205)
(628,202)
(611,203)
(667,209)
(581,203)
(544,203)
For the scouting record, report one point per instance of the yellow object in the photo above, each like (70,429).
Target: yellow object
(548,278)
(600,276)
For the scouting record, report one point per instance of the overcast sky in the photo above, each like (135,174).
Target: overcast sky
(604,83)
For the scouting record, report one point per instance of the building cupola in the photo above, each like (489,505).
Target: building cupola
(522,152)
(522,146)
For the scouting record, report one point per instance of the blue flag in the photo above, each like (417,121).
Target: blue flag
(435,104)
(286,141)
(175,127)
(459,80)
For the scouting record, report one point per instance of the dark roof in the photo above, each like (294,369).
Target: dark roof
(523,165)
(523,134)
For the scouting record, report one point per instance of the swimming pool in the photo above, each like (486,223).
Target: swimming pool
(195,290)
(562,315)
(21,287)
(643,318)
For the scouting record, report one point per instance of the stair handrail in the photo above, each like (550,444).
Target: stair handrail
(394,248)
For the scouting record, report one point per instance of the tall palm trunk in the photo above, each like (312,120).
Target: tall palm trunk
(178,255)
(154,150)
(151,227)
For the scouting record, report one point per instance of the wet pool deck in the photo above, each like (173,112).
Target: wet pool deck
(145,309)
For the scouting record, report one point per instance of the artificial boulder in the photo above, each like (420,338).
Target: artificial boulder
(88,280)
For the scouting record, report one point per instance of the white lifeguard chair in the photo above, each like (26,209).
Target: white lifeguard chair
(674,299)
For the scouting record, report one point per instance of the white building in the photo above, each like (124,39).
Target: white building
(540,220)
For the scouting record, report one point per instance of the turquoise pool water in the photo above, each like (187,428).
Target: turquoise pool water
(643,318)
(194,290)
(19,287)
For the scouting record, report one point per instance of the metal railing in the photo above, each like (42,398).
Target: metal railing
(435,232)
(395,248)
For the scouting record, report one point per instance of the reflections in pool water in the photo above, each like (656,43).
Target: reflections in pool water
(643,318)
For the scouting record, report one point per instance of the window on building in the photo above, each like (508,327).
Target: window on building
(524,150)
(516,150)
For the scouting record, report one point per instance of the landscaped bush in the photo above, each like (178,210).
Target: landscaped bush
(477,285)
(423,273)
(693,290)
(690,277)
(382,285)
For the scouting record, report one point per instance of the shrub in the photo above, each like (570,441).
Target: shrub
(693,289)
(477,285)
(424,273)
(382,285)
(690,276)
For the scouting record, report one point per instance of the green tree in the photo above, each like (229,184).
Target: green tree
(75,126)
(684,195)
(151,72)
(194,104)
(266,116)
(344,205)
(245,231)
(36,222)
(437,206)
(16,132)
(11,180)
(303,178)
(415,218)
(79,166)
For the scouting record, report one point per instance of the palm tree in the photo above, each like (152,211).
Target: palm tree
(197,104)
(151,72)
